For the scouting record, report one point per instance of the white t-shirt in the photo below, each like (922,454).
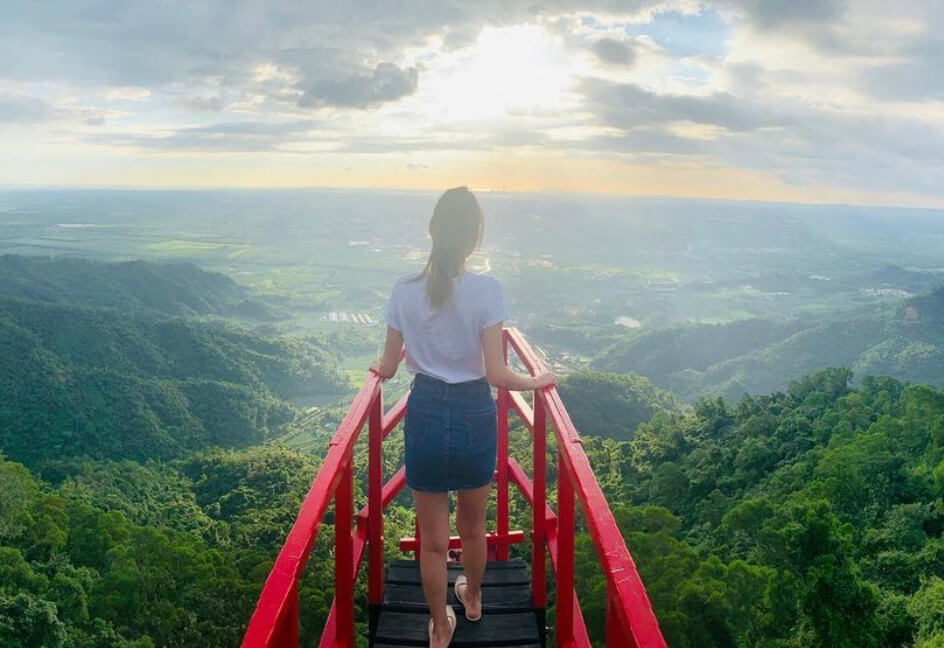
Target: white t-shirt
(446,343)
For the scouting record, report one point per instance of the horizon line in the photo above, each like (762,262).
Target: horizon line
(934,207)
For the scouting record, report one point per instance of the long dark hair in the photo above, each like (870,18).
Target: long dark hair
(456,228)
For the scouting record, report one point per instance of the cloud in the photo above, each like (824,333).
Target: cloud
(127,93)
(614,52)
(813,91)
(915,70)
(205,104)
(24,110)
(643,142)
(387,82)
(778,14)
(232,137)
(627,105)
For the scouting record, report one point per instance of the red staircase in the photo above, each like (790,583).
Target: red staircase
(630,622)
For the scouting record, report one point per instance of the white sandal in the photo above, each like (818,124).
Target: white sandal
(451,617)
(462,580)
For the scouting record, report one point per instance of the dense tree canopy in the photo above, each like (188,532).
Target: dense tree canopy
(811,517)
(613,404)
(142,505)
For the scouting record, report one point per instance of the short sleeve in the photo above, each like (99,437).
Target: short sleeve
(391,313)
(495,310)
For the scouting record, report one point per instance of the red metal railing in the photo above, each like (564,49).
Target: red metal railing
(630,622)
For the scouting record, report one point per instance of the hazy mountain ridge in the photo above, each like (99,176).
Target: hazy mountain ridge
(905,341)
(139,287)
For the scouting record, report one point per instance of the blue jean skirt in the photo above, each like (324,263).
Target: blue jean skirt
(451,435)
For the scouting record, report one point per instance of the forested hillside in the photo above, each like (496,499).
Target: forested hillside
(905,341)
(140,506)
(812,517)
(114,383)
(124,523)
(121,554)
(807,518)
(613,405)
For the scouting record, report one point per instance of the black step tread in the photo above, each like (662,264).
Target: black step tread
(497,574)
(392,645)
(399,645)
(491,564)
(409,628)
(410,595)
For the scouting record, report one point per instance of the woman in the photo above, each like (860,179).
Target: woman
(451,322)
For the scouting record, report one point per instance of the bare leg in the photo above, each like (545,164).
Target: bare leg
(470,521)
(432,510)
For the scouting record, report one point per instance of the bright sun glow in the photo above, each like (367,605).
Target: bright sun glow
(507,69)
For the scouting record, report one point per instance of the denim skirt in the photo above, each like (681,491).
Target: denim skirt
(451,435)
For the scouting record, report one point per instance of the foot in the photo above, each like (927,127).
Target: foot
(440,634)
(472,601)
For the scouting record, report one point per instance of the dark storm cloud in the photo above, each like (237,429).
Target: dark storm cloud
(387,82)
(614,52)
(627,105)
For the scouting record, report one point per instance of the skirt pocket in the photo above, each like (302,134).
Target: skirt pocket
(481,429)
(419,426)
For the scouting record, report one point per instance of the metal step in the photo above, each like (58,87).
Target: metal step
(507,616)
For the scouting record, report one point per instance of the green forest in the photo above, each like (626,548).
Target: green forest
(145,487)
(809,517)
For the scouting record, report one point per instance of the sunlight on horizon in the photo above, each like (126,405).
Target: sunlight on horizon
(694,98)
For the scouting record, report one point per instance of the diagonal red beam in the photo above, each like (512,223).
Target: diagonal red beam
(275,600)
(525,413)
(520,479)
(394,415)
(390,490)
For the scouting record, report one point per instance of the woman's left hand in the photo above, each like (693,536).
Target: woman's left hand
(375,367)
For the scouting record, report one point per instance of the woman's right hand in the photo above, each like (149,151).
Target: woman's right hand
(543,380)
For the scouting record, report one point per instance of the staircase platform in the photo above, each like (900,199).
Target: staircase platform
(508,618)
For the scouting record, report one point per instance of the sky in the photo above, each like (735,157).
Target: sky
(823,101)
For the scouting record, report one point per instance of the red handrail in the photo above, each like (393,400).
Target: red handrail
(628,607)
(629,618)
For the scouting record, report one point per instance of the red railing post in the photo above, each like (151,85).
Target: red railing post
(344,557)
(564,629)
(501,498)
(538,530)
(615,635)
(416,534)
(375,548)
(286,636)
